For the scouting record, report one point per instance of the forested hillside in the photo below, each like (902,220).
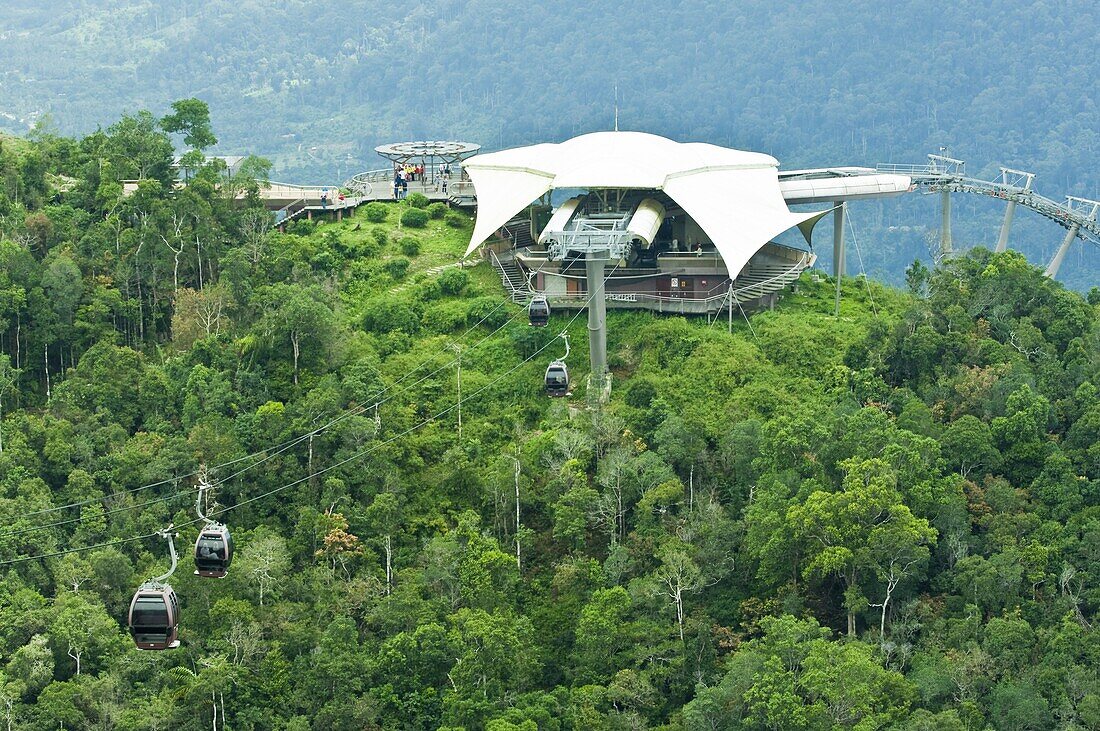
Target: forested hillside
(315,86)
(889,520)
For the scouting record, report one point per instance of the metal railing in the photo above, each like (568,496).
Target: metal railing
(363,183)
(285,213)
(690,305)
(271,184)
(515,293)
(939,178)
(378,184)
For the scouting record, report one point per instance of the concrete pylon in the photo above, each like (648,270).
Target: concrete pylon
(597,314)
(1011,178)
(1056,262)
(1076,206)
(1006,225)
(838,248)
(946,244)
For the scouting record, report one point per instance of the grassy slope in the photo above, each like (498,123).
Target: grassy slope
(778,363)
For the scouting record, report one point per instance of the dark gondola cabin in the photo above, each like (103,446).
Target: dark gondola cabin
(557,379)
(213,551)
(538,312)
(154,617)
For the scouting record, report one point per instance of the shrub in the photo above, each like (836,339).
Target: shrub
(301,227)
(361,270)
(487,311)
(444,317)
(380,236)
(437,210)
(454,219)
(640,393)
(326,261)
(332,240)
(398,267)
(414,218)
(368,249)
(417,200)
(409,246)
(376,212)
(453,281)
(428,290)
(387,314)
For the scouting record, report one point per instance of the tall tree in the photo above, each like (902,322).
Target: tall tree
(9,376)
(298,316)
(191,118)
(863,528)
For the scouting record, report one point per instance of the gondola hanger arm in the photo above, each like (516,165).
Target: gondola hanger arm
(169,534)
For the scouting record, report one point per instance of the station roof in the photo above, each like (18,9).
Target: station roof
(732,194)
(423,150)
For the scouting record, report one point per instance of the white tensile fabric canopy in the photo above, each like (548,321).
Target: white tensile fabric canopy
(733,195)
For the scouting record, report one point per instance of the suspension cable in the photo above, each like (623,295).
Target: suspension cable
(287,486)
(267,453)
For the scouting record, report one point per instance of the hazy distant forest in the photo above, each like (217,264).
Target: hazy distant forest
(314,86)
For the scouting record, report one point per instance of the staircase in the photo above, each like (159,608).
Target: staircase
(511,276)
(427,273)
(763,278)
(518,232)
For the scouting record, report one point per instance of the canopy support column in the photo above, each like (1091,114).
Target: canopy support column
(839,213)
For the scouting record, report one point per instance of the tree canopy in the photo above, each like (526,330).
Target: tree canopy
(886,520)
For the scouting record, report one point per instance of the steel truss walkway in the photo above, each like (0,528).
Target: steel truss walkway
(947,175)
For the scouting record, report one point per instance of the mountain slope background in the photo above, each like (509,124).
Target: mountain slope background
(315,86)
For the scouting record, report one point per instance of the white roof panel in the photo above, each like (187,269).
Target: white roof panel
(735,196)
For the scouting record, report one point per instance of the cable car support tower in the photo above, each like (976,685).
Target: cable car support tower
(600,234)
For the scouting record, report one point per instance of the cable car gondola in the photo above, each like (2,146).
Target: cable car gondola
(214,546)
(557,378)
(538,312)
(154,614)
(154,617)
(213,551)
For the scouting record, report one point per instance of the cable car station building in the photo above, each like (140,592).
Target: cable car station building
(681,227)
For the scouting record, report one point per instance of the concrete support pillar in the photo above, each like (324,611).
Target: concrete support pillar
(339,214)
(1056,262)
(309,215)
(838,239)
(1002,240)
(945,224)
(729,313)
(839,213)
(597,315)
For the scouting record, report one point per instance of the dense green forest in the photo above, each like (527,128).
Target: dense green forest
(886,520)
(316,86)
